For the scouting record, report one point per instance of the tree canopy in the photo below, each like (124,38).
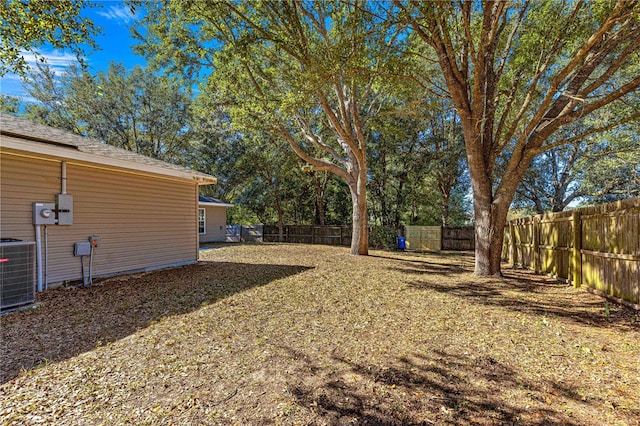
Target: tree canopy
(133,109)
(25,26)
(309,72)
(517,72)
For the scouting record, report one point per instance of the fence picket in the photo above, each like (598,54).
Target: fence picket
(597,247)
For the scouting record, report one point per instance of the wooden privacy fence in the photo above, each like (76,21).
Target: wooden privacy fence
(309,234)
(244,233)
(422,238)
(436,238)
(597,247)
(458,238)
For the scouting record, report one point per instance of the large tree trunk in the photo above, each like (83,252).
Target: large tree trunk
(360,232)
(490,213)
(489,231)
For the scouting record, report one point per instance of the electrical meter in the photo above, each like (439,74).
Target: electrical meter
(44,213)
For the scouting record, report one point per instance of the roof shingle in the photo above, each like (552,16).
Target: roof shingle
(18,127)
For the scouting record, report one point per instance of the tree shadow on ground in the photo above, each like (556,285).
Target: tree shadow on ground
(74,320)
(526,292)
(215,245)
(431,388)
(445,263)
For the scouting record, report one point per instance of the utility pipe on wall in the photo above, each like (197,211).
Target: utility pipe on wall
(63,173)
(91,266)
(39,257)
(46,257)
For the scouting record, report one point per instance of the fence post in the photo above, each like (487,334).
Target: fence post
(576,256)
(535,223)
(514,249)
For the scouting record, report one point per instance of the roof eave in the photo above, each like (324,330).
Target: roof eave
(202,203)
(38,149)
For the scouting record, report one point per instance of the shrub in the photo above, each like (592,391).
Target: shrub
(382,237)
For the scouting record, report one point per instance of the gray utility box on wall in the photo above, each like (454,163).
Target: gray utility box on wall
(82,249)
(65,209)
(17,273)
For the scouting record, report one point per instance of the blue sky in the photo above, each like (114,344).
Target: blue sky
(115,43)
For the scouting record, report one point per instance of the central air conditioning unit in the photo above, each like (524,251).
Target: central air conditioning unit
(17,273)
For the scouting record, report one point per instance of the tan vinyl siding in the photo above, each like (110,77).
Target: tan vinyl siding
(216,224)
(144,222)
(21,184)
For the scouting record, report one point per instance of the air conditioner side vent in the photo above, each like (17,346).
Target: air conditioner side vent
(17,273)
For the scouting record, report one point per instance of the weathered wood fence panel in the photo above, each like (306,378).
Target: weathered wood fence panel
(424,238)
(555,244)
(458,238)
(309,234)
(597,247)
(611,252)
(299,234)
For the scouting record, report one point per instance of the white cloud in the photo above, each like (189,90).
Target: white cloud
(118,13)
(57,60)
(12,84)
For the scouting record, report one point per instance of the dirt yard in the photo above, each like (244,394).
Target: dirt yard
(309,335)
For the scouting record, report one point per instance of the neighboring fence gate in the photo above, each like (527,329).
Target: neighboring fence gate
(424,238)
(244,233)
(598,247)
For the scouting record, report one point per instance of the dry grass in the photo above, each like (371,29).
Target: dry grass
(294,334)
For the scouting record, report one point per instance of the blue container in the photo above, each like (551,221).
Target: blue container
(402,243)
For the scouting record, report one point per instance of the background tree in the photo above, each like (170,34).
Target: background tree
(552,181)
(52,103)
(136,110)
(416,159)
(261,175)
(398,159)
(9,104)
(27,25)
(517,72)
(614,177)
(601,168)
(447,144)
(294,66)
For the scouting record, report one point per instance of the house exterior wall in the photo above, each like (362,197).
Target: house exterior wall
(216,224)
(144,221)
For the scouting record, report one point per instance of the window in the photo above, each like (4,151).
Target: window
(202,229)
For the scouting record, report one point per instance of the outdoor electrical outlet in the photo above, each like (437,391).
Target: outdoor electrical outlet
(94,240)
